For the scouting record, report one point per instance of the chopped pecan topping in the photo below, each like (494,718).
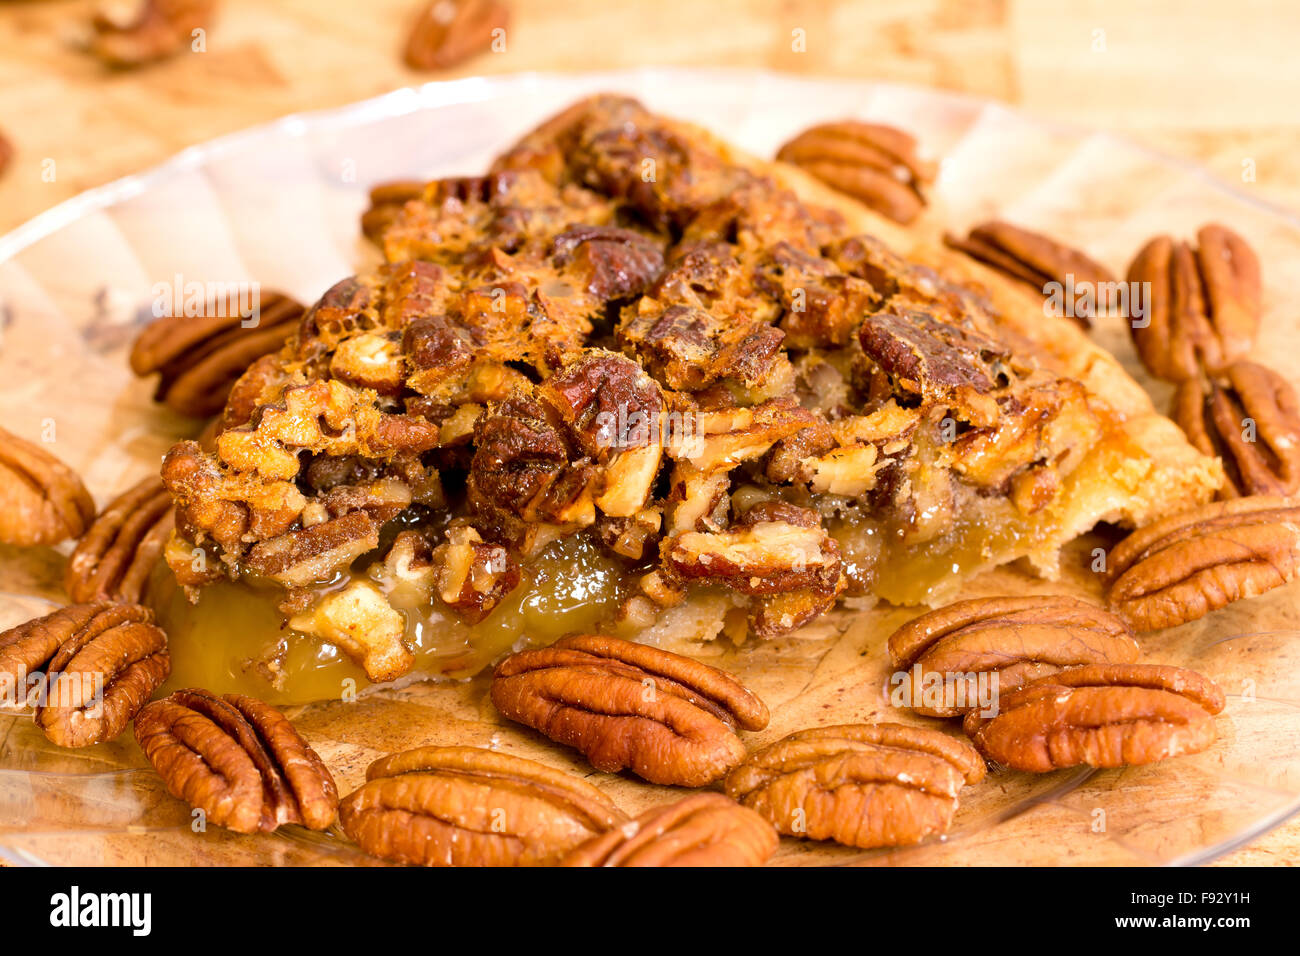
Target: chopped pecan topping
(200,357)
(151,30)
(667,718)
(1036,260)
(1014,639)
(1101,715)
(237,759)
(473,577)
(464,806)
(360,621)
(312,555)
(822,306)
(1183,567)
(688,348)
(765,557)
(1204,305)
(706,829)
(874,163)
(102,662)
(1250,418)
(42,500)
(115,558)
(617,263)
(863,785)
(449,32)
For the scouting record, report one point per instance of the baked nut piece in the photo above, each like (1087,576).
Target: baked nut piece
(116,556)
(875,164)
(1005,641)
(863,785)
(449,32)
(1035,260)
(706,829)
(238,760)
(149,30)
(1250,418)
(199,357)
(1101,715)
(102,662)
(1185,566)
(42,500)
(731,394)
(667,718)
(1205,303)
(465,806)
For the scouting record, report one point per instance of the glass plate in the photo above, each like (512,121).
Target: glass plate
(280,204)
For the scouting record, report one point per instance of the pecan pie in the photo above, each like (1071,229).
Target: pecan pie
(627,372)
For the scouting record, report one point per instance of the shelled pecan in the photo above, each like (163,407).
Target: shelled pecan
(465,806)
(151,30)
(1101,715)
(116,556)
(863,785)
(237,759)
(449,32)
(705,829)
(1007,641)
(1036,260)
(42,500)
(1249,417)
(101,662)
(1182,567)
(667,718)
(1204,304)
(876,164)
(200,357)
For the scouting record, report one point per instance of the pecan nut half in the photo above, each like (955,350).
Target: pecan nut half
(705,829)
(1183,567)
(152,30)
(449,32)
(199,358)
(115,558)
(876,164)
(42,500)
(466,806)
(1250,418)
(101,662)
(1014,639)
(1036,260)
(667,718)
(1101,715)
(1204,305)
(237,759)
(863,785)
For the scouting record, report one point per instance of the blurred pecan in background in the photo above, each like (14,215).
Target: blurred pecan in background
(1037,260)
(1249,417)
(1017,639)
(449,32)
(706,829)
(200,357)
(237,759)
(1182,567)
(131,35)
(1101,715)
(101,661)
(875,164)
(1204,304)
(115,558)
(465,806)
(667,718)
(863,785)
(42,500)
(6,153)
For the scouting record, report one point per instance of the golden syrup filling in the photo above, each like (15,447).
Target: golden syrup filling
(235,640)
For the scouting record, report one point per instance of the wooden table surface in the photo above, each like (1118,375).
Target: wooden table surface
(1207,80)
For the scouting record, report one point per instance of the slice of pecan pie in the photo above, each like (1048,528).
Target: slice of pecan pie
(631,379)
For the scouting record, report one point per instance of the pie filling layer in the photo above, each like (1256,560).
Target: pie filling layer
(625,374)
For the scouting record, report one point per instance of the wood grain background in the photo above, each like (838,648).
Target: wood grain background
(1208,80)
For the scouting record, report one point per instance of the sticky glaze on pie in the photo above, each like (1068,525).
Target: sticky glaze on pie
(632,380)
